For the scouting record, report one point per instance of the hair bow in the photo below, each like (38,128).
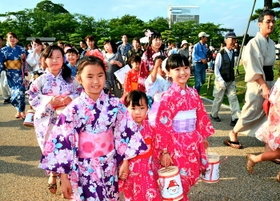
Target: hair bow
(148,33)
(150,101)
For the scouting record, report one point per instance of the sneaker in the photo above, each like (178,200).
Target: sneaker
(216,119)
(233,122)
(7,101)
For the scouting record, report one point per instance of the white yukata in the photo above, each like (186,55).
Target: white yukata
(155,90)
(41,91)
(259,52)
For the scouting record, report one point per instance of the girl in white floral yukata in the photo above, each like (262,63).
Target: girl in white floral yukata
(92,137)
(52,90)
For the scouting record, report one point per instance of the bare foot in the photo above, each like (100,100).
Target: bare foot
(233,136)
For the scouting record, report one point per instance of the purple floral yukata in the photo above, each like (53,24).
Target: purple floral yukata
(88,142)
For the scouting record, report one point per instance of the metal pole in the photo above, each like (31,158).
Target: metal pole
(243,41)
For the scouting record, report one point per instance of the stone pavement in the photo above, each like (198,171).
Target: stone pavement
(21,180)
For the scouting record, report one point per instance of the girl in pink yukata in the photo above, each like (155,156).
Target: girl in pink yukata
(140,183)
(52,90)
(182,126)
(92,136)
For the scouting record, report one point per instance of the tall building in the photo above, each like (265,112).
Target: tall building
(182,14)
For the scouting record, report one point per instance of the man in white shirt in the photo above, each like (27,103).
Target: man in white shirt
(224,81)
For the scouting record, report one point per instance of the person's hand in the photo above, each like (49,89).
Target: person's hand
(66,100)
(165,159)
(157,64)
(66,187)
(265,91)
(222,84)
(124,169)
(56,101)
(204,61)
(206,144)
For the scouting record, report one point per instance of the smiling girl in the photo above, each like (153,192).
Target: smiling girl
(92,136)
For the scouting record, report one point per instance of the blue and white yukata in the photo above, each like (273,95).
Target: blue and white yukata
(12,60)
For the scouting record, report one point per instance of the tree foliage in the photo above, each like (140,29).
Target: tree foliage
(48,19)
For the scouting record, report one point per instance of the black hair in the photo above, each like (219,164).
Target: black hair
(90,60)
(1,37)
(83,41)
(38,41)
(175,61)
(135,58)
(264,13)
(47,53)
(72,50)
(134,97)
(113,45)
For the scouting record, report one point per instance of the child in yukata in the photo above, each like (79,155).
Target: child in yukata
(182,126)
(72,57)
(140,183)
(92,137)
(52,90)
(157,83)
(269,132)
(131,78)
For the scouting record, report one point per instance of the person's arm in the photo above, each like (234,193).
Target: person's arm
(155,70)
(265,89)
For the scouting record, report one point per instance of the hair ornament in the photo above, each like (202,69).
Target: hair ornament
(148,33)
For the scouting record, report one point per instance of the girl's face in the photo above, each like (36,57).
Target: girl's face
(135,44)
(37,46)
(156,43)
(108,48)
(180,75)
(135,66)
(55,62)
(138,113)
(12,40)
(92,78)
(90,43)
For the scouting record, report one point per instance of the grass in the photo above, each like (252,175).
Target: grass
(240,85)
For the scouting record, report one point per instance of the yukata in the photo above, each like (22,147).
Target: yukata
(141,182)
(13,62)
(155,90)
(112,82)
(41,91)
(88,142)
(181,126)
(269,132)
(258,60)
(146,66)
(130,82)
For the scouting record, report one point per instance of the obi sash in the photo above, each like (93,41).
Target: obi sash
(148,152)
(134,85)
(95,145)
(268,71)
(13,64)
(184,121)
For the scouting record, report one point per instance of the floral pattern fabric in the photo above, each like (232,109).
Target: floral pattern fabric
(141,183)
(269,132)
(94,176)
(41,91)
(186,148)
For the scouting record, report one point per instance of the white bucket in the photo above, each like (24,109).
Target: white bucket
(170,184)
(29,121)
(212,172)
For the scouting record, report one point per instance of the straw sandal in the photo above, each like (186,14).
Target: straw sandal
(53,187)
(278,177)
(250,168)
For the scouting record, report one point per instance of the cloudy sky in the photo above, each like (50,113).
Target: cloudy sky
(229,13)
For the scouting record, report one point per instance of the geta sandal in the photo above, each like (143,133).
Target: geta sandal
(250,168)
(235,145)
(52,187)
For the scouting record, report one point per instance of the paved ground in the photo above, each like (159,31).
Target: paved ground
(21,180)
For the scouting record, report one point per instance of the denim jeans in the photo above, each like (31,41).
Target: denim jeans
(199,75)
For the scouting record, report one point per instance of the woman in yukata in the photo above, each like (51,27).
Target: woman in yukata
(92,137)
(114,62)
(147,64)
(48,93)
(182,126)
(13,56)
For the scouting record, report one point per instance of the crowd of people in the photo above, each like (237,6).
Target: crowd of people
(102,137)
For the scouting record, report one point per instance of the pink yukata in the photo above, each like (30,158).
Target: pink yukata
(269,132)
(41,91)
(141,183)
(181,126)
(88,142)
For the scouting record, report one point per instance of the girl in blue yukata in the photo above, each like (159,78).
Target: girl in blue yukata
(12,58)
(93,136)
